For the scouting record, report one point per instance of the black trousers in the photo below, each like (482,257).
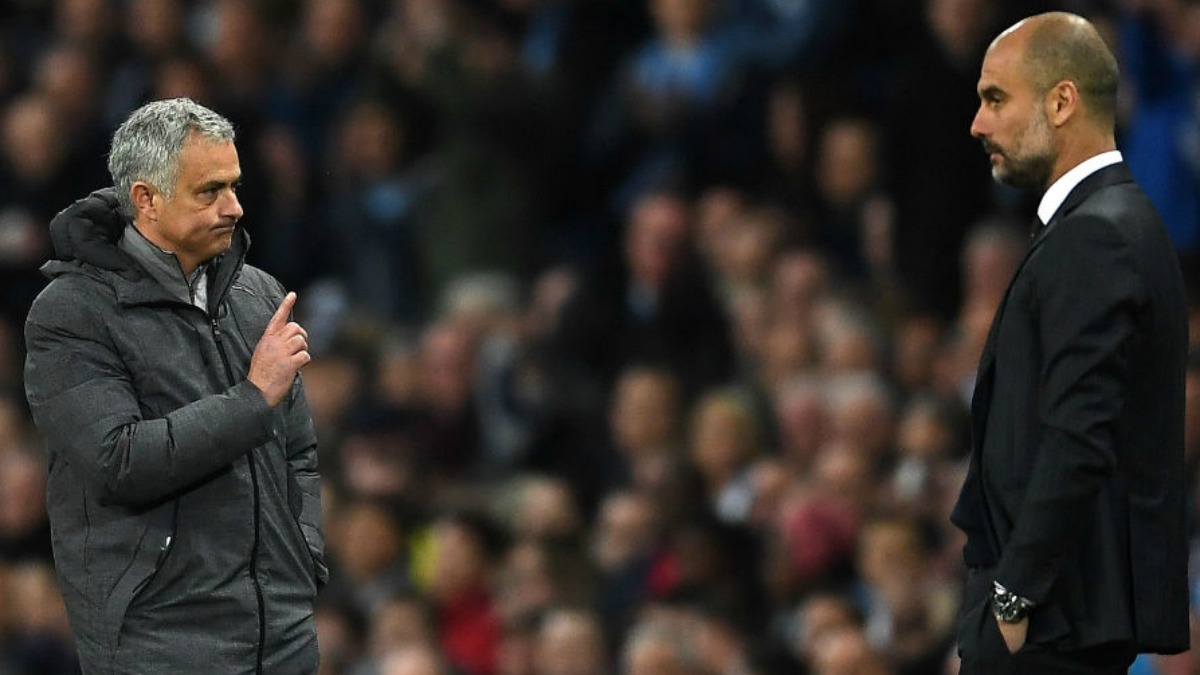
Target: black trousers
(993,658)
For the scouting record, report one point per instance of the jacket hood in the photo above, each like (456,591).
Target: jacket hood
(87,232)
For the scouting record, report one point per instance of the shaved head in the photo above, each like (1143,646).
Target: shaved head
(1061,46)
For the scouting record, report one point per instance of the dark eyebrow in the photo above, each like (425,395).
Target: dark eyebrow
(990,92)
(218,184)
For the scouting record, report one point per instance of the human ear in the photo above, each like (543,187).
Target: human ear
(142,194)
(1061,102)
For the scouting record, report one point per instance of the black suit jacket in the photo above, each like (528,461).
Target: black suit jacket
(1075,493)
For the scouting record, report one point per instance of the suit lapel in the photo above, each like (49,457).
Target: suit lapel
(981,397)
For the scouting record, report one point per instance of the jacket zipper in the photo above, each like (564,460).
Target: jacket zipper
(258,594)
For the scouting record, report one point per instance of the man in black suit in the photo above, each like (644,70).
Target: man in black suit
(1073,506)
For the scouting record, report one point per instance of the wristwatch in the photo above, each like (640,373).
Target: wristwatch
(1008,606)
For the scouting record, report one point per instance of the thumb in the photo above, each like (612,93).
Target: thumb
(280,319)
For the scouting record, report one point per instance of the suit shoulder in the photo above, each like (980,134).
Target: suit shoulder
(1122,206)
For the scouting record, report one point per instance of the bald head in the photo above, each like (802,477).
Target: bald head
(1059,46)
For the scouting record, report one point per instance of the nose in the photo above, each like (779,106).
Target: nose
(978,129)
(232,207)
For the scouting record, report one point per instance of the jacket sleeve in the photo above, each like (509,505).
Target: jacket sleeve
(1089,299)
(302,464)
(82,398)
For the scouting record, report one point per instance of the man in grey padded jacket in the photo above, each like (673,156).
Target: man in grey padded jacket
(162,371)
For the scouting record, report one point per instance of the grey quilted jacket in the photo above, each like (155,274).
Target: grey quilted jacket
(185,512)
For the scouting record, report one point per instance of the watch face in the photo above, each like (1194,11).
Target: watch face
(1008,607)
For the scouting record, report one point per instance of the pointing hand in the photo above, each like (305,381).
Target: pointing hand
(281,353)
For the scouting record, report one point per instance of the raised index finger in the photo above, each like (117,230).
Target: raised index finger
(281,315)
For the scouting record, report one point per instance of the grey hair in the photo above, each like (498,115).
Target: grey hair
(147,144)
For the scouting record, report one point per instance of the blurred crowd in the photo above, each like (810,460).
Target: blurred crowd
(644,331)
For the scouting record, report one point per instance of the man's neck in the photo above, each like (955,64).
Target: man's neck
(1078,151)
(186,264)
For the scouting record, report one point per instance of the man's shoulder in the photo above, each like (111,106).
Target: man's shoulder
(259,282)
(70,295)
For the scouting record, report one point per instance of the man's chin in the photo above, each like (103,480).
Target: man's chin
(1020,181)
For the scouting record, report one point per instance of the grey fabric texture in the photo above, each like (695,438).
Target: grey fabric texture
(177,496)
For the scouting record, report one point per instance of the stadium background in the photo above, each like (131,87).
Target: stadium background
(643,329)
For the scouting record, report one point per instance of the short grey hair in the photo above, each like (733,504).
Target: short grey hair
(147,144)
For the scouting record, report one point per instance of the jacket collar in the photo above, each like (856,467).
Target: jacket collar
(1113,174)
(1056,194)
(151,289)
(119,264)
(162,265)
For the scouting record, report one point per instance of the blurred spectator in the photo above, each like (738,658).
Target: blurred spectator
(846,652)
(624,545)
(24,526)
(70,79)
(669,115)
(911,611)
(851,339)
(86,23)
(539,574)
(938,175)
(374,208)
(326,60)
(466,549)
(543,508)
(849,197)
(930,440)
(413,660)
(863,416)
(656,307)
(370,555)
(404,620)
(339,637)
(743,253)
(571,642)
(15,426)
(484,213)
(450,426)
(803,415)
(991,253)
(683,293)
(917,339)
(820,614)
(657,648)
(724,439)
(644,423)
(34,168)
(40,639)
(1160,53)
(158,34)
(787,36)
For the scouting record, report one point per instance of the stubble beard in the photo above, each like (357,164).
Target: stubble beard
(1030,170)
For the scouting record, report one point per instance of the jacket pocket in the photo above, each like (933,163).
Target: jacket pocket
(152,549)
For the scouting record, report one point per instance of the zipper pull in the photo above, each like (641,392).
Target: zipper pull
(216,329)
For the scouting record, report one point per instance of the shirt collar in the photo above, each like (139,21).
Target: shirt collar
(1057,194)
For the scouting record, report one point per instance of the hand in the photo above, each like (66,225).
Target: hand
(280,354)
(1013,633)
